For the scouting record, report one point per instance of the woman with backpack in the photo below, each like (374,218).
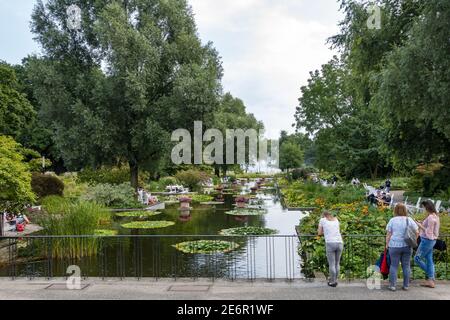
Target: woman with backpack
(399,249)
(329,227)
(429,233)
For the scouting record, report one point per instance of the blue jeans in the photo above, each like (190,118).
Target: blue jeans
(424,257)
(404,255)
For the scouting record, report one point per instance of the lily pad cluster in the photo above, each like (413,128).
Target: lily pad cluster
(137,214)
(206,246)
(246,212)
(247,231)
(148,224)
(199,198)
(105,232)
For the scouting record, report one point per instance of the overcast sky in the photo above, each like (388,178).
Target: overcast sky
(267,47)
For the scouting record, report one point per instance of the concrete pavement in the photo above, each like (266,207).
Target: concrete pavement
(145,289)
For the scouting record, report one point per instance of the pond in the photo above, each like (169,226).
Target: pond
(151,252)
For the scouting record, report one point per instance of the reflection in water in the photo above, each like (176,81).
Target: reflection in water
(152,256)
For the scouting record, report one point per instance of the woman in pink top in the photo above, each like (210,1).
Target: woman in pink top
(429,233)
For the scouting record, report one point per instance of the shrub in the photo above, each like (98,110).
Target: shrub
(167,181)
(15,177)
(430,179)
(55,204)
(113,175)
(298,174)
(114,196)
(73,188)
(104,176)
(192,178)
(46,185)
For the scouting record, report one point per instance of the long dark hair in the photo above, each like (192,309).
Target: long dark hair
(429,206)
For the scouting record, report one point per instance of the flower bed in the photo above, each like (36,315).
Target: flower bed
(355,219)
(307,195)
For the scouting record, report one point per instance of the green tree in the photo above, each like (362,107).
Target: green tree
(15,110)
(414,89)
(15,176)
(232,114)
(291,156)
(116,88)
(336,107)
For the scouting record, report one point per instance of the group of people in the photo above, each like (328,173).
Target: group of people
(146,198)
(397,246)
(382,195)
(379,197)
(15,221)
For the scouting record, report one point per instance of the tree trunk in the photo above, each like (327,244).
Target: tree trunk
(2,219)
(134,170)
(217,171)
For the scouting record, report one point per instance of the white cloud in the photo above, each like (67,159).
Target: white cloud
(268,48)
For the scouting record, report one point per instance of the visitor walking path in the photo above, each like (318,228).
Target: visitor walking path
(207,290)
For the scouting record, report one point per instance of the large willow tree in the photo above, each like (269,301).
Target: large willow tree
(115,88)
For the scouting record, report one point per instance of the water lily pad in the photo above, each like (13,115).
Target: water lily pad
(105,232)
(247,231)
(246,212)
(137,214)
(147,224)
(212,203)
(206,246)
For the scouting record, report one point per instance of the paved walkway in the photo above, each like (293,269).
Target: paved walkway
(207,290)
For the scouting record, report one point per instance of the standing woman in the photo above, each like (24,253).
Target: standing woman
(429,233)
(329,227)
(399,250)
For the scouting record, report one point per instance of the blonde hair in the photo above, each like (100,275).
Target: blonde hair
(400,210)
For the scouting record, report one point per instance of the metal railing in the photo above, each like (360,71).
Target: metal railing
(289,257)
(150,256)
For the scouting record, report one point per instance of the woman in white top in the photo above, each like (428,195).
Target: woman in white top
(329,227)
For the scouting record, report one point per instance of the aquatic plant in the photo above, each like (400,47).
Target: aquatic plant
(246,212)
(206,246)
(147,224)
(247,231)
(75,219)
(105,232)
(199,198)
(137,214)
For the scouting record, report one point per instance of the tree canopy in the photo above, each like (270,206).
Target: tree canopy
(382,104)
(15,176)
(15,110)
(135,71)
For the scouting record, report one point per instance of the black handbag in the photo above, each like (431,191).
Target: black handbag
(439,246)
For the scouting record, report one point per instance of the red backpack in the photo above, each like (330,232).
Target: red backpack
(20,227)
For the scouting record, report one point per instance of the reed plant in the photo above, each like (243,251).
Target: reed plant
(72,221)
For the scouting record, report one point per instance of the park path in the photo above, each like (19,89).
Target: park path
(398,195)
(207,290)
